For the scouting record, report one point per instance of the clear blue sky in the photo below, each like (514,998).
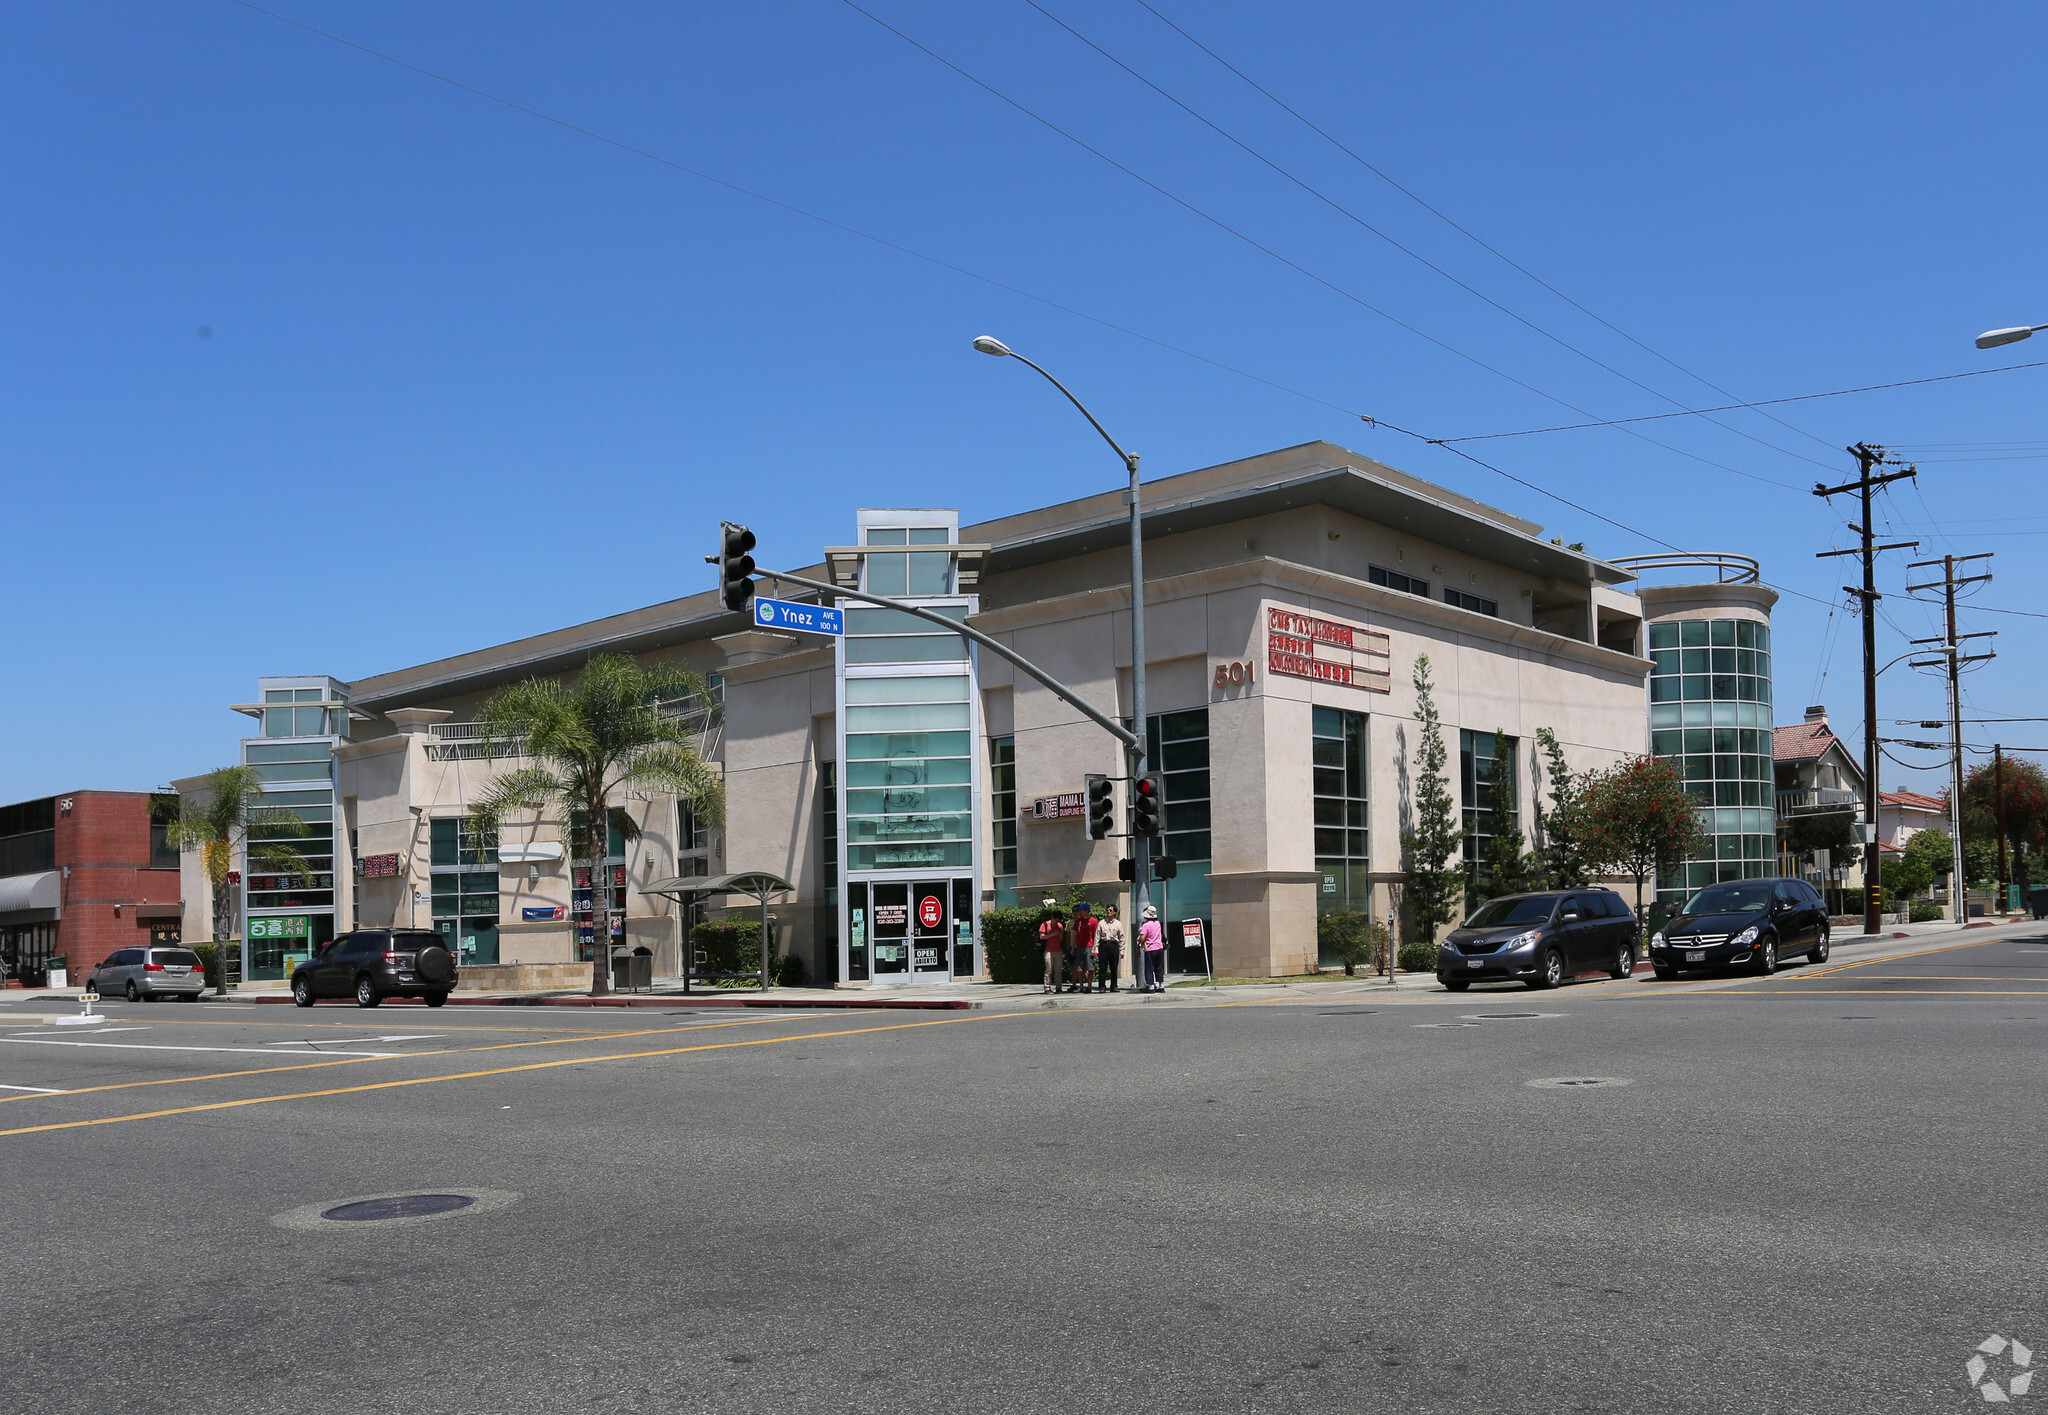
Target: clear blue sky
(316,364)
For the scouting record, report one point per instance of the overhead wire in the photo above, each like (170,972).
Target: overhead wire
(1406,250)
(1460,229)
(1269,251)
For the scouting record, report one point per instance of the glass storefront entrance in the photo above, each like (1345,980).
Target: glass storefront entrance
(909,931)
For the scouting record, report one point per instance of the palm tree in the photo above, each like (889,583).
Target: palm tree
(621,724)
(215,823)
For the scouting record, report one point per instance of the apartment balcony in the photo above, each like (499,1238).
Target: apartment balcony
(1814,798)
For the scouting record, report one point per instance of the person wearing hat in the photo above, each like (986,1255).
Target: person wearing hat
(1152,946)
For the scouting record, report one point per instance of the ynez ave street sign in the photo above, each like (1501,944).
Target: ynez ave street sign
(787,614)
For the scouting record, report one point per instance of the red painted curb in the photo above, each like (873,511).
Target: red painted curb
(693,1000)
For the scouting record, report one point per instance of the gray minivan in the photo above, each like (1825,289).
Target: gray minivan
(149,973)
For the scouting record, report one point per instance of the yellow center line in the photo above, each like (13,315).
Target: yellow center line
(438,1051)
(506,1071)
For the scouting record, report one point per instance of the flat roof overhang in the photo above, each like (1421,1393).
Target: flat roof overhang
(1347,489)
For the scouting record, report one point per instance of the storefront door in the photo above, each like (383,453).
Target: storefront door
(889,933)
(908,929)
(931,931)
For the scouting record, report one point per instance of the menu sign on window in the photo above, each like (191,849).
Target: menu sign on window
(1304,646)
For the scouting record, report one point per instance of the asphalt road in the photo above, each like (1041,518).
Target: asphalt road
(1818,1191)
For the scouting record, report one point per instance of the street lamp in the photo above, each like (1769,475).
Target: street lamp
(1141,854)
(1989,339)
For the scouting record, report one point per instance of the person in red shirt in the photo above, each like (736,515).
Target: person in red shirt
(1052,937)
(1083,964)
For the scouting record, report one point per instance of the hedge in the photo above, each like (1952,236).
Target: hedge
(1009,939)
(728,945)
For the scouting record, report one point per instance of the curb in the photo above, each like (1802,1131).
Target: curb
(682,1000)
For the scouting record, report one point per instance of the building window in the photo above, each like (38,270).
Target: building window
(693,843)
(891,636)
(910,573)
(1002,817)
(162,854)
(465,888)
(1472,602)
(1395,580)
(271,825)
(1710,695)
(1178,746)
(908,772)
(1338,755)
(828,803)
(614,869)
(1482,757)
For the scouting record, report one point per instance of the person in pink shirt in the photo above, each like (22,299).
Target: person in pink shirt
(1152,947)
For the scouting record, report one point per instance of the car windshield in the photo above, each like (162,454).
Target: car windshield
(1499,913)
(1743,898)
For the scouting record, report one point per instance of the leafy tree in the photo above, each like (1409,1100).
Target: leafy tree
(1936,848)
(620,724)
(216,823)
(1904,875)
(1638,818)
(1559,854)
(2025,809)
(1507,868)
(1435,883)
(1830,829)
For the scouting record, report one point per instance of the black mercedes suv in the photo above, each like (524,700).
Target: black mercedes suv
(373,964)
(1540,939)
(1753,922)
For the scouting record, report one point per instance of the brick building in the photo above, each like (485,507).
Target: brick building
(82,874)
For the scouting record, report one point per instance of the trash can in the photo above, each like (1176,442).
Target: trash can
(2038,901)
(632,967)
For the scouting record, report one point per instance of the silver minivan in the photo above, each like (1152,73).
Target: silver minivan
(149,973)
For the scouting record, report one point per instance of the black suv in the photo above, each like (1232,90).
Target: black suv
(1540,939)
(1757,922)
(373,964)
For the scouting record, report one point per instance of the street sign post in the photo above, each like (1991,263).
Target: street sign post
(788,614)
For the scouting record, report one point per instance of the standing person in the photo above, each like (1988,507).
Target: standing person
(1052,937)
(1085,925)
(1109,949)
(1152,943)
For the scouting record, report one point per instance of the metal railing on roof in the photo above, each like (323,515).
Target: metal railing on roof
(1728,567)
(1813,798)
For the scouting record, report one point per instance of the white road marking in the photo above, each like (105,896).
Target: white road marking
(356,1041)
(39,1090)
(145,1046)
(102,1032)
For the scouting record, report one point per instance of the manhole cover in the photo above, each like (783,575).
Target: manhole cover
(404,1206)
(1579,1083)
(365,1212)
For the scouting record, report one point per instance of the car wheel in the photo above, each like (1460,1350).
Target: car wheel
(1819,952)
(366,993)
(1664,974)
(1624,962)
(1767,958)
(1456,984)
(435,999)
(302,992)
(132,993)
(1553,972)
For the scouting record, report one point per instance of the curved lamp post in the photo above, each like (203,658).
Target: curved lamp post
(1135,756)
(1989,339)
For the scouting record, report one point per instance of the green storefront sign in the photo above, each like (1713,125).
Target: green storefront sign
(284,927)
(277,944)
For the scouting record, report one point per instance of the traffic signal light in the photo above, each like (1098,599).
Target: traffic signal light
(735,566)
(1165,867)
(1101,793)
(1148,802)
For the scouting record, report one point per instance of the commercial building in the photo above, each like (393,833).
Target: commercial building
(901,780)
(81,875)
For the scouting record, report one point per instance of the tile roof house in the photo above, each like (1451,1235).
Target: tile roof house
(1812,766)
(1901,815)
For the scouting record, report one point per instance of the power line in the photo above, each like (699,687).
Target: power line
(1264,249)
(1761,403)
(1408,251)
(1461,230)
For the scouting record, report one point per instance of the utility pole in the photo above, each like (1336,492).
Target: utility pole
(1954,659)
(1868,459)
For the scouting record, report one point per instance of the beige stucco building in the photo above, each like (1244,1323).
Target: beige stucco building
(902,781)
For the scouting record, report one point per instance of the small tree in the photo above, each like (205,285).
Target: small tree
(621,724)
(1559,855)
(1354,938)
(1508,867)
(1903,876)
(1435,883)
(216,823)
(1638,818)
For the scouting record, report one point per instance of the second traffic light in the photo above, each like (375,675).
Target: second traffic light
(1101,793)
(735,565)
(1148,804)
